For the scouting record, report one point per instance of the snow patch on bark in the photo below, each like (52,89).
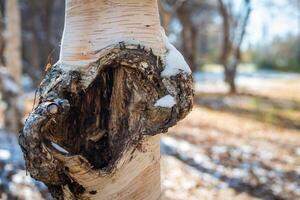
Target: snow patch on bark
(167,102)
(59,148)
(175,62)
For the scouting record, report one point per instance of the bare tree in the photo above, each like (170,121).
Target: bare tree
(234,29)
(117,84)
(13,40)
(189,33)
(192,15)
(10,83)
(166,14)
(42,32)
(2,39)
(183,10)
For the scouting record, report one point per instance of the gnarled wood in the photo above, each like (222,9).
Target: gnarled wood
(89,138)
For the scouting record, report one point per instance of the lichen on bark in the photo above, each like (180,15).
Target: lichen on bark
(97,113)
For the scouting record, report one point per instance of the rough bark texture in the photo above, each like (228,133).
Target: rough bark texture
(95,121)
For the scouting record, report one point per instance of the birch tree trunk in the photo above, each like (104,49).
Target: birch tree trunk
(11,79)
(93,134)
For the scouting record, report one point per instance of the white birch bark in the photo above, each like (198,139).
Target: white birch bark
(91,27)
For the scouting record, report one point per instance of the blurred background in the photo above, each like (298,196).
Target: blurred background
(242,139)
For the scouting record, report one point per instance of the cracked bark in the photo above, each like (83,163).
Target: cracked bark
(93,134)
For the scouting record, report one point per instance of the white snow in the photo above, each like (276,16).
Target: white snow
(167,102)
(4,154)
(21,178)
(18,185)
(59,148)
(10,148)
(175,62)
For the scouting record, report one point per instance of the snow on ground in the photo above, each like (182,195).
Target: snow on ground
(263,80)
(14,182)
(244,146)
(218,168)
(9,149)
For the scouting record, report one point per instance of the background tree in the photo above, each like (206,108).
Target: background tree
(193,15)
(42,33)
(189,33)
(10,83)
(234,28)
(12,51)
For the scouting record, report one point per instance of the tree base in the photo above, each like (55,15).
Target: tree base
(137,176)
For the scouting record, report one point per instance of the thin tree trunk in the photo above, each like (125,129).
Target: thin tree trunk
(2,39)
(230,79)
(92,135)
(165,17)
(33,67)
(231,52)
(189,35)
(11,81)
(226,48)
(13,40)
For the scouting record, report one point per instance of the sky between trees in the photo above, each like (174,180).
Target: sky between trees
(272,18)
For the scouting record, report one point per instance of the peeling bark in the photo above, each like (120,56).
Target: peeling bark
(89,122)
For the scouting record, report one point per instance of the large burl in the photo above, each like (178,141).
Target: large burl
(86,121)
